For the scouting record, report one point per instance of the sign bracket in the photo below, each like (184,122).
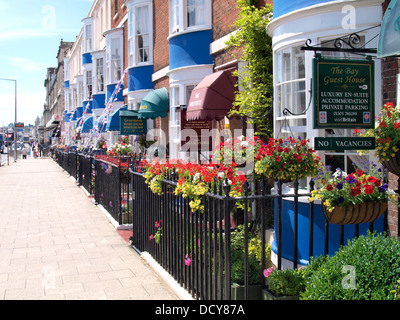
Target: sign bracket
(352,41)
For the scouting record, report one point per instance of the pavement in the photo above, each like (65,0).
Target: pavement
(55,244)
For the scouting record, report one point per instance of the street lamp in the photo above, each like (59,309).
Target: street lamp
(15,121)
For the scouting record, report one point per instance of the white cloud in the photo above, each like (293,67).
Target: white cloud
(25,34)
(29,106)
(25,64)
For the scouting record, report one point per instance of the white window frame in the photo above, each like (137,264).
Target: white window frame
(114,58)
(179,11)
(142,35)
(88,85)
(292,84)
(98,77)
(88,38)
(133,35)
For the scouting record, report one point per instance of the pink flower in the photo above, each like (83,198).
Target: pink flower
(267,272)
(188,261)
(151,237)
(157,225)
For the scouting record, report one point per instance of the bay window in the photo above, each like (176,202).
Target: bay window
(114,55)
(189,14)
(142,34)
(291,92)
(89,86)
(99,80)
(140,23)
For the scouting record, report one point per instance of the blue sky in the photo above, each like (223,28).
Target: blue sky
(30,34)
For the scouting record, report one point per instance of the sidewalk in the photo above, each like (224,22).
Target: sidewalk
(56,244)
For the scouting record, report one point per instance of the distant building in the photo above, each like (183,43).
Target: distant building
(54,105)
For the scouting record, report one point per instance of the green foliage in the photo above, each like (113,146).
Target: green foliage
(375,264)
(254,260)
(286,282)
(254,99)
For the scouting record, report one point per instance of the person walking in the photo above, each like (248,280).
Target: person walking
(34,152)
(24,152)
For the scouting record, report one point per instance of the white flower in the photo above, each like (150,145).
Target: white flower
(390,192)
(244,144)
(221,175)
(241,138)
(196,176)
(230,182)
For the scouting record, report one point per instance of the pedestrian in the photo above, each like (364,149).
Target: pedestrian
(24,152)
(34,152)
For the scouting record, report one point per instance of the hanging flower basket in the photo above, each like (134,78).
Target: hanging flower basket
(393,164)
(355,214)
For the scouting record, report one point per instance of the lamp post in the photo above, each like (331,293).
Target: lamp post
(15,120)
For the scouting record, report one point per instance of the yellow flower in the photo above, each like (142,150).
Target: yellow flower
(311,199)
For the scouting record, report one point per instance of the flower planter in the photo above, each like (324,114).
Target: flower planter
(393,165)
(268,295)
(360,213)
(254,292)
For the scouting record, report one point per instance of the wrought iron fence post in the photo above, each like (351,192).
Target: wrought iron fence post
(227,231)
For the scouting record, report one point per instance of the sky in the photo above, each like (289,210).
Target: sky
(30,35)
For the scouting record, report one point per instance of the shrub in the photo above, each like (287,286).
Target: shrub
(254,258)
(372,262)
(286,282)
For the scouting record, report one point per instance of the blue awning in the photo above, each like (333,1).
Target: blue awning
(87,125)
(113,120)
(79,123)
(101,124)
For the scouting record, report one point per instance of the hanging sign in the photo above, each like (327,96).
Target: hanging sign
(130,124)
(343,93)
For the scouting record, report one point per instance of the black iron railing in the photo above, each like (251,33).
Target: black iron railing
(195,248)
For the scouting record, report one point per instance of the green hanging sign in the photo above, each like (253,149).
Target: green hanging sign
(130,124)
(343,93)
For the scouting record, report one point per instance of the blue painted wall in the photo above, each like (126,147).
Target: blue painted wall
(79,112)
(118,96)
(66,116)
(139,78)
(190,49)
(99,101)
(86,58)
(282,7)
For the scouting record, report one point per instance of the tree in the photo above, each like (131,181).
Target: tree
(254,99)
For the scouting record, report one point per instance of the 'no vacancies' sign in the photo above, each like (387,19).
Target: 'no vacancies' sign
(343,92)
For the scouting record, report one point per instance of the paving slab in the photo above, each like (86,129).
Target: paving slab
(56,244)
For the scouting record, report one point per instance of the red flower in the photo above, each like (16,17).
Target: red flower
(359,173)
(329,187)
(371,179)
(277,158)
(368,189)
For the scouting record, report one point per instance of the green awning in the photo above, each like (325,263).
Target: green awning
(389,37)
(155,104)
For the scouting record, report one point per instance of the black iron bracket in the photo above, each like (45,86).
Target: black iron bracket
(352,40)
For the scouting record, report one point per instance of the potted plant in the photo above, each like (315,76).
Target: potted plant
(352,198)
(387,135)
(286,160)
(144,143)
(254,264)
(286,284)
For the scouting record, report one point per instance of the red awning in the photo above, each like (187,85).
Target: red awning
(212,98)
